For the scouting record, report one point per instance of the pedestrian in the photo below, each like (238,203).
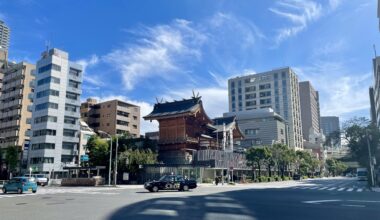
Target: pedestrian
(216,180)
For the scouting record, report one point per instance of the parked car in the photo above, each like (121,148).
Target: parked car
(362,174)
(40,179)
(170,182)
(297,177)
(20,185)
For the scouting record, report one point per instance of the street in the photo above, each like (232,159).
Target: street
(329,198)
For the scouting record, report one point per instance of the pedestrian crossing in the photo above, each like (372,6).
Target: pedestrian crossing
(333,188)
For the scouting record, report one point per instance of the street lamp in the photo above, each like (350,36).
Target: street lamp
(115,172)
(110,164)
(370,157)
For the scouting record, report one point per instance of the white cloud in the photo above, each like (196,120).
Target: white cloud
(341,91)
(334,4)
(330,48)
(299,13)
(159,53)
(87,63)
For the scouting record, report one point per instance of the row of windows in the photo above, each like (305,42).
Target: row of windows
(264,94)
(48,80)
(46,105)
(71,95)
(122,113)
(44,132)
(70,108)
(48,67)
(68,145)
(264,86)
(47,93)
(69,133)
(74,72)
(38,160)
(40,146)
(251,131)
(120,122)
(70,120)
(45,118)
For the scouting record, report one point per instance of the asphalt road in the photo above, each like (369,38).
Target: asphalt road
(311,199)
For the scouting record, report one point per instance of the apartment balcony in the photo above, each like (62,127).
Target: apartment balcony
(30,108)
(70,139)
(73,102)
(29,121)
(10,113)
(31,96)
(74,90)
(72,114)
(71,126)
(32,84)
(75,78)
(28,133)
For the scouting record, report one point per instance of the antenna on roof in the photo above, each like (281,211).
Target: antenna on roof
(374,49)
(47,45)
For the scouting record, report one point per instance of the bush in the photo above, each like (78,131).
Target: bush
(207,180)
(263,179)
(285,178)
(277,178)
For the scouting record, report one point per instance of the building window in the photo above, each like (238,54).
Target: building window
(120,122)
(70,120)
(250,103)
(39,160)
(69,133)
(45,118)
(135,126)
(74,72)
(265,101)
(44,132)
(47,93)
(68,145)
(232,84)
(48,80)
(122,113)
(264,94)
(41,146)
(264,86)
(72,96)
(67,158)
(250,89)
(70,108)
(281,131)
(46,105)
(251,131)
(73,84)
(250,96)
(239,90)
(48,67)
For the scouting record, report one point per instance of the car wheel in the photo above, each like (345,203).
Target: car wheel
(34,191)
(185,188)
(19,191)
(155,189)
(4,190)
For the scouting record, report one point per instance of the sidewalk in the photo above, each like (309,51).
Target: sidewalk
(375,189)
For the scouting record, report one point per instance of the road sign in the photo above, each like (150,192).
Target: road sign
(84,158)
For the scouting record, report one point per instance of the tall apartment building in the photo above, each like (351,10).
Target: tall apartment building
(4,35)
(310,113)
(55,113)
(277,89)
(261,127)
(113,117)
(14,102)
(330,124)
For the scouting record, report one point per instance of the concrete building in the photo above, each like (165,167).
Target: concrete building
(14,101)
(3,65)
(55,113)
(4,35)
(277,89)
(261,127)
(376,90)
(85,133)
(113,117)
(372,102)
(329,125)
(310,113)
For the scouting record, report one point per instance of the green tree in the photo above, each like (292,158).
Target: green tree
(359,132)
(98,151)
(131,160)
(12,157)
(257,156)
(335,167)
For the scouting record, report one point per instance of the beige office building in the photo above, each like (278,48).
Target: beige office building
(310,113)
(277,89)
(113,117)
(15,98)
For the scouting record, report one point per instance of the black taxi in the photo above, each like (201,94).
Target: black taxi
(171,182)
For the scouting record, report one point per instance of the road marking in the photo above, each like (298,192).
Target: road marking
(322,188)
(166,202)
(321,201)
(366,201)
(217,198)
(332,188)
(350,189)
(314,187)
(212,216)
(359,190)
(165,212)
(341,189)
(223,205)
(349,205)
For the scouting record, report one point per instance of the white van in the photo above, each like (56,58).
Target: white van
(362,174)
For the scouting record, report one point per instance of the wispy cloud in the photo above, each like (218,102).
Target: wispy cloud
(342,92)
(159,53)
(299,13)
(92,78)
(329,48)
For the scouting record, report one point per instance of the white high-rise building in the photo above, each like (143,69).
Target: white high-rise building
(55,113)
(4,35)
(277,89)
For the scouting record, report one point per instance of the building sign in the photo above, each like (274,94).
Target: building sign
(84,158)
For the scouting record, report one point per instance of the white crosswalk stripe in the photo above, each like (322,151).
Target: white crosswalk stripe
(350,189)
(359,190)
(341,189)
(331,189)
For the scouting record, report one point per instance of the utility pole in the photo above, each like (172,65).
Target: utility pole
(370,158)
(115,171)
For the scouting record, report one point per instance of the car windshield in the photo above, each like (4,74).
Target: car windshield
(362,173)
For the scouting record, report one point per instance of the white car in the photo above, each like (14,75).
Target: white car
(40,179)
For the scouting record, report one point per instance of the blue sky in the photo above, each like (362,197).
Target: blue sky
(143,49)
